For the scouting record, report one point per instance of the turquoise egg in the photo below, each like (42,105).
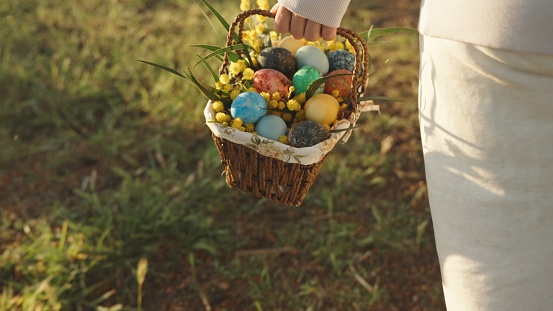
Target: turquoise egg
(309,55)
(249,106)
(303,77)
(271,126)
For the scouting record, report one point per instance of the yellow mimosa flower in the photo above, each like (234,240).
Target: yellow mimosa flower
(224,78)
(263,4)
(222,117)
(218,106)
(244,5)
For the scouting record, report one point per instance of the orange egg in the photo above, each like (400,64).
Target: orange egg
(341,83)
(322,108)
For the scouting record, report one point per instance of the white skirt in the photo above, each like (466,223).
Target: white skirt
(486,119)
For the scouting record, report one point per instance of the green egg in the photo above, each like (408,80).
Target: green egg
(303,77)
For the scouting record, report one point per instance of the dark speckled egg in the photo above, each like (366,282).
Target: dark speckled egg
(341,59)
(307,134)
(278,58)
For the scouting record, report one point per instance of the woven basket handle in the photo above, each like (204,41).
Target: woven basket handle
(357,42)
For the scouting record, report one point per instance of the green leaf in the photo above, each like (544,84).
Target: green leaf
(374,33)
(384,98)
(344,129)
(312,88)
(233,57)
(219,17)
(206,46)
(223,22)
(209,48)
(213,73)
(222,51)
(206,90)
(201,245)
(171,70)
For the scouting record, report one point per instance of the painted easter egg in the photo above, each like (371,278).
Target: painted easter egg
(342,83)
(303,77)
(309,55)
(322,108)
(341,59)
(271,81)
(291,44)
(307,133)
(248,106)
(271,126)
(278,58)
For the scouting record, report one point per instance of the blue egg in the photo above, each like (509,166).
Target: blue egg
(341,59)
(249,106)
(309,55)
(271,126)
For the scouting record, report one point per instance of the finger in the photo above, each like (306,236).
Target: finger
(328,33)
(275,8)
(282,19)
(312,31)
(297,26)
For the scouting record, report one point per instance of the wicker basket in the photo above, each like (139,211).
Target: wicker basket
(285,181)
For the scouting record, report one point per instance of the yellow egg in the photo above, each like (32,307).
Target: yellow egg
(290,44)
(322,108)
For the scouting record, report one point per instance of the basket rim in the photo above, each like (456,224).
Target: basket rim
(276,149)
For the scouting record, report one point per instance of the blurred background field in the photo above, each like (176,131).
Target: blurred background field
(111,194)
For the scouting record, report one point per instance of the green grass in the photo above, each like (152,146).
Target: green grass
(106,163)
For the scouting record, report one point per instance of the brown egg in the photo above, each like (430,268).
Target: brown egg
(341,83)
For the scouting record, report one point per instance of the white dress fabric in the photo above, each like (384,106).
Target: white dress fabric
(518,25)
(486,118)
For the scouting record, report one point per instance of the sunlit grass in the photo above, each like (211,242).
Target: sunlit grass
(106,163)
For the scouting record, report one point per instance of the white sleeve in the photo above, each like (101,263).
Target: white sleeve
(327,12)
